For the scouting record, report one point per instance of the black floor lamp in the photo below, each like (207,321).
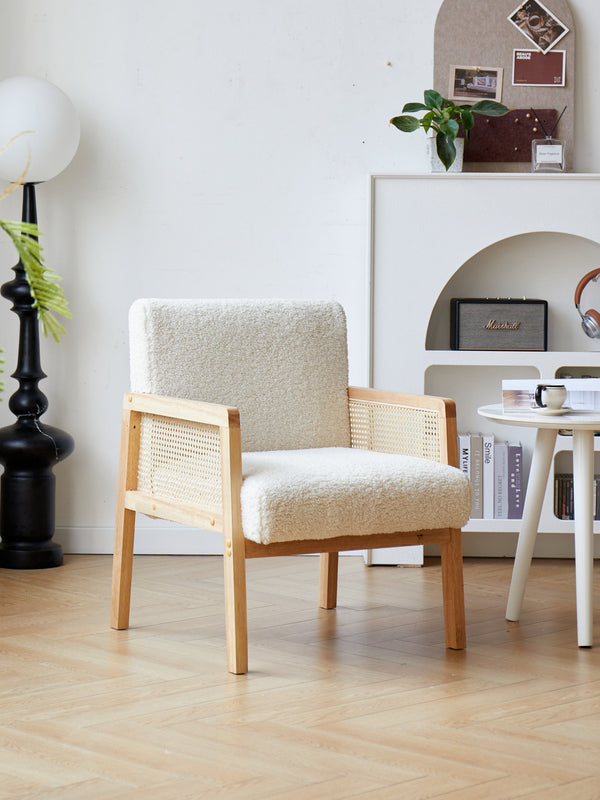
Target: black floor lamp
(46,125)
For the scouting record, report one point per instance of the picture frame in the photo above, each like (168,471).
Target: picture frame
(475,83)
(538,25)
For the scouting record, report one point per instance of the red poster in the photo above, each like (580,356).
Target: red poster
(532,68)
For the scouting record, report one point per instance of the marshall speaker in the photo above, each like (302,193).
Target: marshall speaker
(482,324)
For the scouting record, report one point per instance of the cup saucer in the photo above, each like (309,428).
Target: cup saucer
(553,412)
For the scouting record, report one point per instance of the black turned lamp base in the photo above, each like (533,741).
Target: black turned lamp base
(29,450)
(42,556)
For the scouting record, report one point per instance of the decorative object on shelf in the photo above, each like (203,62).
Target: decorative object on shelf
(475,83)
(434,162)
(580,394)
(590,321)
(472,32)
(445,119)
(538,24)
(548,155)
(532,68)
(550,396)
(29,449)
(507,138)
(500,324)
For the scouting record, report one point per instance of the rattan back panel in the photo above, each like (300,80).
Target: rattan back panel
(395,429)
(180,461)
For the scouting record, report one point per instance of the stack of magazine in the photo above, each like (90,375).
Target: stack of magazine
(495,469)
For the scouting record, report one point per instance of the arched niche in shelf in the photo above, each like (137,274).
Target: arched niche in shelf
(538,265)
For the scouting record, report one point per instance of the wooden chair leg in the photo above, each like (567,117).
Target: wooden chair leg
(122,569)
(328,580)
(125,520)
(236,616)
(453,592)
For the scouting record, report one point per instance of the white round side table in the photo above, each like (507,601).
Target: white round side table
(583,424)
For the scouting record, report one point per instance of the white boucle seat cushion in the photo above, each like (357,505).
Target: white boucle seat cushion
(337,491)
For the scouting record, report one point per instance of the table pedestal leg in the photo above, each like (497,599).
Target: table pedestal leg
(534,497)
(583,501)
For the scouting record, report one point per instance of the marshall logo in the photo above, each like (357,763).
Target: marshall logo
(494,325)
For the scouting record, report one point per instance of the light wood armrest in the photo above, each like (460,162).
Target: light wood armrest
(184,459)
(176,408)
(411,424)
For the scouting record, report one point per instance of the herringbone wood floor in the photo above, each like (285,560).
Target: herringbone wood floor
(361,702)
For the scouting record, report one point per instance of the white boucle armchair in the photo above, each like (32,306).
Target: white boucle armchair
(240,421)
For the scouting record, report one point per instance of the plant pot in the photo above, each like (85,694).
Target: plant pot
(433,160)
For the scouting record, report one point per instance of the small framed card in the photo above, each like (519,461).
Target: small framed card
(475,83)
(532,68)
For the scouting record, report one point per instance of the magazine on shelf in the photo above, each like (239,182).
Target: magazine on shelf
(464,453)
(501,480)
(515,481)
(583,394)
(488,475)
(477,475)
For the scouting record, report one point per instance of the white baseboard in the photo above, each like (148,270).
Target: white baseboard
(156,540)
(153,540)
(182,540)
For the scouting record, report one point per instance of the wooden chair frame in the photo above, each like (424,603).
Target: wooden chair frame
(227,518)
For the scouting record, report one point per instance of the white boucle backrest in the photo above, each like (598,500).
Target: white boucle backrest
(283,363)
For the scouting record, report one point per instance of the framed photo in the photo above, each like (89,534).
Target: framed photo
(538,24)
(532,68)
(475,83)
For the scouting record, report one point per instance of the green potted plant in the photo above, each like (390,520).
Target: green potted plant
(445,119)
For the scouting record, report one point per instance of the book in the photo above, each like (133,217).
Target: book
(488,475)
(476,469)
(501,480)
(464,453)
(564,506)
(583,394)
(515,480)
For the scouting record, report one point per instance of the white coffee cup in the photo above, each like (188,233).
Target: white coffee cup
(550,395)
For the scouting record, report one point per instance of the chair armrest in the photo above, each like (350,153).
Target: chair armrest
(188,457)
(410,424)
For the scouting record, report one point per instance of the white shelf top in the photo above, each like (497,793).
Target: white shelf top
(534,358)
(478,176)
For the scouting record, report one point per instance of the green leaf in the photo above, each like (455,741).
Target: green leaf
(427,121)
(467,120)
(490,108)
(44,283)
(433,99)
(445,150)
(410,108)
(406,124)
(449,127)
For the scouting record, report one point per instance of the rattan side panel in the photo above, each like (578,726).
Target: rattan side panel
(180,461)
(395,429)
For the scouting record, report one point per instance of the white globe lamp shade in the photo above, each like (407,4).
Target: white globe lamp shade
(46,125)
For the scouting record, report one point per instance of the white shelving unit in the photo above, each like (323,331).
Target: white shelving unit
(435,237)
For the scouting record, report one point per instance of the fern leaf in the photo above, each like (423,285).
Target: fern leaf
(44,282)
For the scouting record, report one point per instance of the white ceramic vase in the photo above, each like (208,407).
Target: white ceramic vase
(433,160)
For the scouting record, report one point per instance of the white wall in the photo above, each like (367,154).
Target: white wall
(226,149)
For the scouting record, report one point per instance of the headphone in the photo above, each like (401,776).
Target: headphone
(590,321)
